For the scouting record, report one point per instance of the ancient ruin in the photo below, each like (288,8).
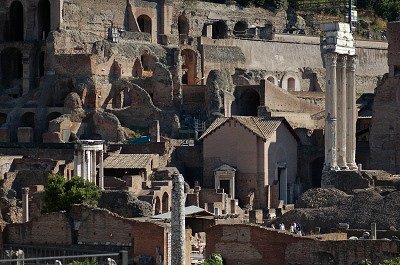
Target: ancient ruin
(195,128)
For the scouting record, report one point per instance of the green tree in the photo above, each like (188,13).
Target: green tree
(61,194)
(395,261)
(215,259)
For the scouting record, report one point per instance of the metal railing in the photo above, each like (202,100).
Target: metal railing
(101,258)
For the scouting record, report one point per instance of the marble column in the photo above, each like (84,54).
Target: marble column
(351,114)
(84,165)
(25,205)
(341,112)
(101,171)
(93,166)
(330,112)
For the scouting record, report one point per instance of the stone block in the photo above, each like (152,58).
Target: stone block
(25,134)
(4,135)
(256,216)
(52,137)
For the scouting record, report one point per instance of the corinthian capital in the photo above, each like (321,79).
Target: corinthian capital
(331,59)
(342,61)
(352,63)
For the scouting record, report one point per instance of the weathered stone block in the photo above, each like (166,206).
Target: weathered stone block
(25,134)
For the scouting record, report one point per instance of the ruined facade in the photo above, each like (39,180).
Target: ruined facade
(79,70)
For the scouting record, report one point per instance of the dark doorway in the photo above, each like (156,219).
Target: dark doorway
(291,84)
(240,29)
(165,202)
(183,25)
(246,103)
(144,23)
(44,19)
(28,119)
(11,67)
(189,67)
(3,119)
(15,30)
(225,184)
(316,170)
(219,30)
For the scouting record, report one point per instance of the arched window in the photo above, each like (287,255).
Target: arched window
(219,30)
(291,86)
(44,19)
(240,29)
(144,23)
(157,206)
(28,119)
(183,25)
(11,67)
(15,31)
(165,202)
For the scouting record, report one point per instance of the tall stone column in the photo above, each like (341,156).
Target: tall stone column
(25,205)
(351,114)
(93,166)
(341,112)
(330,112)
(101,171)
(178,221)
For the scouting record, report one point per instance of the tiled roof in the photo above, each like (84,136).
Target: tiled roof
(127,161)
(263,127)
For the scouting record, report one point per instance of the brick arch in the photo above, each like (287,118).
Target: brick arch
(273,79)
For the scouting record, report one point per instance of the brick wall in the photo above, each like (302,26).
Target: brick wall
(250,245)
(52,229)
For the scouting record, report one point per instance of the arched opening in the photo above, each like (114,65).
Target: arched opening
(148,64)
(3,119)
(115,71)
(144,23)
(157,206)
(189,67)
(317,165)
(246,103)
(28,119)
(183,25)
(240,28)
(219,30)
(41,64)
(137,69)
(44,19)
(291,84)
(165,202)
(11,70)
(118,100)
(16,22)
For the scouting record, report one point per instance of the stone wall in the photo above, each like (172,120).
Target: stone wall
(51,229)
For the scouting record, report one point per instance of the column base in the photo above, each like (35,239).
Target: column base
(352,166)
(344,167)
(328,167)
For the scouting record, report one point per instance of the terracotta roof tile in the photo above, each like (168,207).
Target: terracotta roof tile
(127,161)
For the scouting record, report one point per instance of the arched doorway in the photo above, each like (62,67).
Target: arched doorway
(291,84)
(115,71)
(246,103)
(28,119)
(44,19)
(317,165)
(148,63)
(240,28)
(3,119)
(183,25)
(165,202)
(16,22)
(157,206)
(189,67)
(144,23)
(219,30)
(11,68)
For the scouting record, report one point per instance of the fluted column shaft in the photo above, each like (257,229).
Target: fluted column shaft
(341,111)
(351,114)
(330,112)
